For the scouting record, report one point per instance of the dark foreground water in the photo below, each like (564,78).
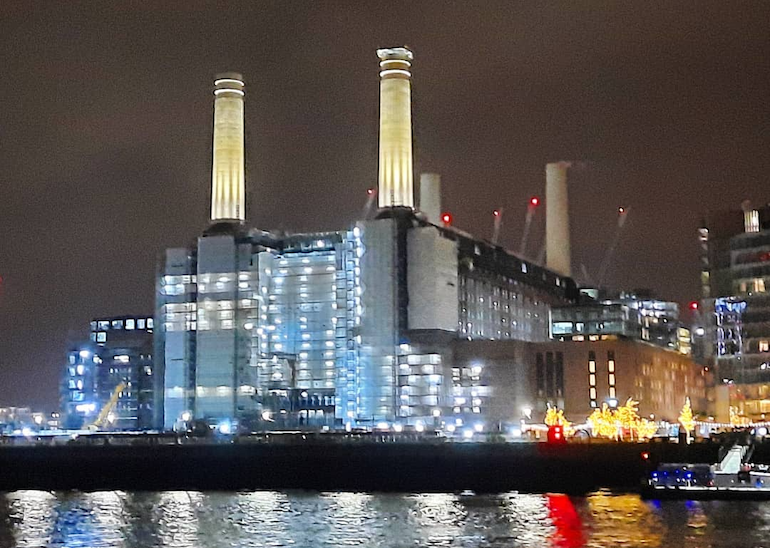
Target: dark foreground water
(299,519)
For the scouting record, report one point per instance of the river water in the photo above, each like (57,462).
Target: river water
(301,519)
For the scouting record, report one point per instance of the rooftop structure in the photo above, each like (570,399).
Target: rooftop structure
(635,315)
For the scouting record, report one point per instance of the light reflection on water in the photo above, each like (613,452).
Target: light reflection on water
(299,519)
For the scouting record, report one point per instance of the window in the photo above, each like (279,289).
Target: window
(751,220)
(612,392)
(764,346)
(592,393)
(130,324)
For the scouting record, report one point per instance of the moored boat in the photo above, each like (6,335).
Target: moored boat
(733,478)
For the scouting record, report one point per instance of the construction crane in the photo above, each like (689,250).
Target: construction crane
(622,216)
(104,414)
(371,198)
(498,216)
(531,208)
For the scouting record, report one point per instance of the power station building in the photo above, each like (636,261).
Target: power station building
(342,329)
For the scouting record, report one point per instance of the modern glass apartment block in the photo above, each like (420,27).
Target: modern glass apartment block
(124,345)
(336,329)
(736,304)
(117,361)
(79,402)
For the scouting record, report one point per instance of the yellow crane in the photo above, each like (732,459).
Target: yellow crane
(107,409)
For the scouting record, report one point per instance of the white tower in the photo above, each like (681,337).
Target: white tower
(227,170)
(557,243)
(430,196)
(395,185)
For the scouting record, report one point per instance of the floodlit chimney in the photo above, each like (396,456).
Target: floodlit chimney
(227,170)
(430,196)
(395,175)
(557,243)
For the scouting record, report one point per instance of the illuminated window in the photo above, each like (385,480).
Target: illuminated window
(612,391)
(611,366)
(612,379)
(592,379)
(592,366)
(751,220)
(592,393)
(764,346)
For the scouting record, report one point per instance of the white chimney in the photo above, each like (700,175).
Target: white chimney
(430,196)
(395,172)
(557,242)
(227,170)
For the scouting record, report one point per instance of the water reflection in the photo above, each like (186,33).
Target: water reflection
(567,523)
(272,519)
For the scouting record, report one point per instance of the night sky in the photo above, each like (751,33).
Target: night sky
(105,135)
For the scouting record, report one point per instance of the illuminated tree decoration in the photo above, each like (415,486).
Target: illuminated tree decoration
(685,417)
(555,416)
(646,429)
(603,422)
(607,423)
(627,416)
(736,419)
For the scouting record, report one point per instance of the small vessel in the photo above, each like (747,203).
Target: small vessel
(733,478)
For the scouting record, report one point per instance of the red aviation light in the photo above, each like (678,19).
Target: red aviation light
(370,191)
(621,210)
(446,218)
(496,213)
(694,305)
(534,201)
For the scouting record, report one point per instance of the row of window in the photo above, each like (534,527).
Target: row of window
(127,324)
